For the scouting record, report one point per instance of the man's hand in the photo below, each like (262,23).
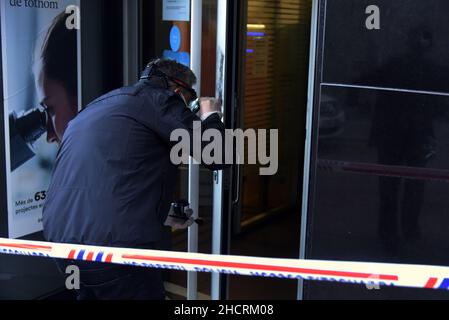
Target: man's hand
(177,222)
(209,106)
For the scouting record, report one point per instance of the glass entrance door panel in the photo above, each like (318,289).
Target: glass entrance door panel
(272,96)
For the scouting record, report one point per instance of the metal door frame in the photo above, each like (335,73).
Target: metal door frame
(311,103)
(228,53)
(131,41)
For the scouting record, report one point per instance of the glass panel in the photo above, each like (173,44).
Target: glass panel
(379,184)
(275,92)
(275,95)
(381,173)
(407,52)
(156,43)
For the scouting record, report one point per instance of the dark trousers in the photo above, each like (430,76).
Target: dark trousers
(116,282)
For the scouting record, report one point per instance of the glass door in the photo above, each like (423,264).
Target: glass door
(272,86)
(273,97)
(167,32)
(254,55)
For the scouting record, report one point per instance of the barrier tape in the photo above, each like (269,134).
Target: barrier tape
(384,170)
(370,274)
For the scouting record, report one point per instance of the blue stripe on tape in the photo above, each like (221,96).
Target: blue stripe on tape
(81,255)
(99,257)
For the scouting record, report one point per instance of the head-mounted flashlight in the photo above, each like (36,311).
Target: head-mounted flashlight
(195,105)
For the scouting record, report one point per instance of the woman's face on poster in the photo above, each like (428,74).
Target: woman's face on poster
(61,107)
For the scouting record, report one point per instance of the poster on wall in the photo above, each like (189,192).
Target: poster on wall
(40,78)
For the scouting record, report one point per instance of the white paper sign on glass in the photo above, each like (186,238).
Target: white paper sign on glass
(176,10)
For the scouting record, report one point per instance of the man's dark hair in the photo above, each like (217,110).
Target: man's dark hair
(59,54)
(176,70)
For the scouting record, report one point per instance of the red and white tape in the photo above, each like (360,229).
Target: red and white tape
(401,275)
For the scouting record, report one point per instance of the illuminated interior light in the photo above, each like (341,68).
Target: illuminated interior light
(256,26)
(256,34)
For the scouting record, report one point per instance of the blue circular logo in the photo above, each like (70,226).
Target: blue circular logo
(175,39)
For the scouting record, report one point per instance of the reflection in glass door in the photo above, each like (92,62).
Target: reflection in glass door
(272,95)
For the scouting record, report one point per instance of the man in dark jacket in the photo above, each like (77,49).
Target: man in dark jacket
(113,179)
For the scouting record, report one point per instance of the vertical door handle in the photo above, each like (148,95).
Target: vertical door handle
(237,196)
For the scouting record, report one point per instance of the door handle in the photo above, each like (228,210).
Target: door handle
(237,196)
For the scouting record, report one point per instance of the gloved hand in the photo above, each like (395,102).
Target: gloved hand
(178,222)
